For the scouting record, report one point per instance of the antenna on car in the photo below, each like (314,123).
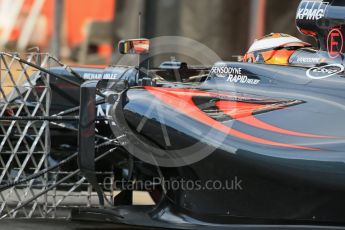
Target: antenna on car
(139,33)
(139,24)
(141,47)
(143,61)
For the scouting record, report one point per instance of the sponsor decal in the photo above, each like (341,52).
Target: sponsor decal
(309,60)
(103,112)
(312,10)
(325,71)
(110,76)
(335,43)
(233,75)
(96,76)
(92,76)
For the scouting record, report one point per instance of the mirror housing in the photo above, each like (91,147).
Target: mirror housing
(134,46)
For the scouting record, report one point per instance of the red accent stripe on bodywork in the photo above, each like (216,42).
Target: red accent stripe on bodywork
(182,101)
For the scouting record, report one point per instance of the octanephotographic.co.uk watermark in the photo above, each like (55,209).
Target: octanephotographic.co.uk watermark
(235,184)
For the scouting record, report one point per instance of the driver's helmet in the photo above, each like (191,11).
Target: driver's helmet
(275,48)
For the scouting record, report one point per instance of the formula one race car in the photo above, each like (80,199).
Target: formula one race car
(258,143)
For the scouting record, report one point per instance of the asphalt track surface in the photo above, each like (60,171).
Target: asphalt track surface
(73,225)
(59,225)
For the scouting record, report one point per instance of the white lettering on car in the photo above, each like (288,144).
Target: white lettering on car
(233,75)
(92,76)
(308,60)
(99,76)
(103,113)
(312,10)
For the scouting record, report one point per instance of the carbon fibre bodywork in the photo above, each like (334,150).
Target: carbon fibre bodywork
(291,161)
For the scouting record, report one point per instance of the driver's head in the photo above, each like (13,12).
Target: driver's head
(275,48)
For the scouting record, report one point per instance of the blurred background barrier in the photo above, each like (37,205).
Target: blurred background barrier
(87,31)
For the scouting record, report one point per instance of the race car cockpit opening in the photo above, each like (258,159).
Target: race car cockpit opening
(275,48)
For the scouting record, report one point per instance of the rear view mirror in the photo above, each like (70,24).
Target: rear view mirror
(134,46)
